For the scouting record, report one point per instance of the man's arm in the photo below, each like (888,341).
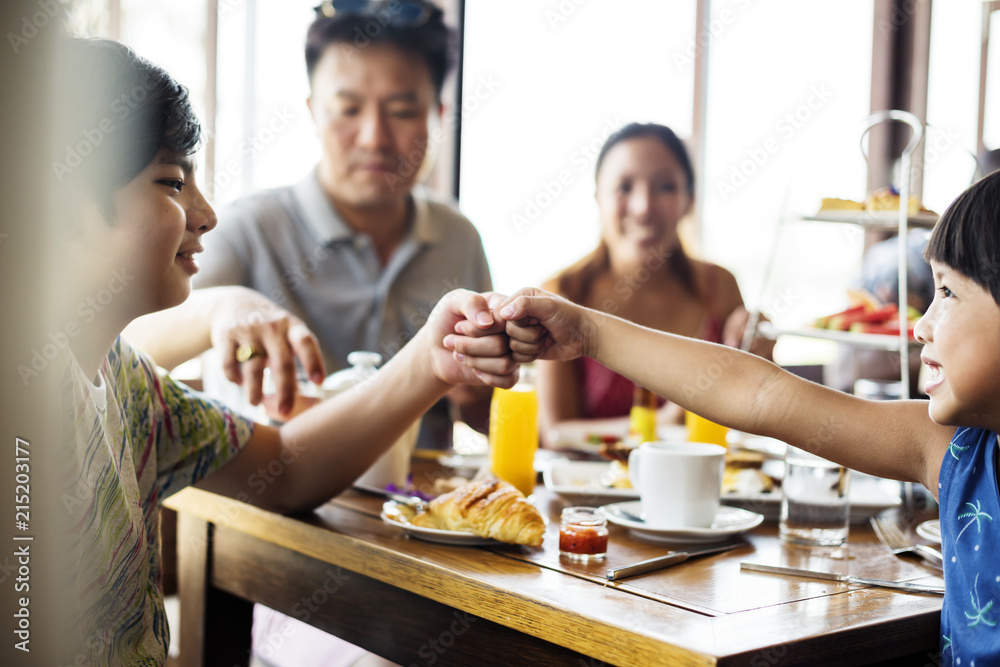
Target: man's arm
(326,448)
(226,318)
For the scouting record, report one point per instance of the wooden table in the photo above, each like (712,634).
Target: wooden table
(343,570)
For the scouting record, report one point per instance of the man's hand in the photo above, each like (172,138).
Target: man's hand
(265,335)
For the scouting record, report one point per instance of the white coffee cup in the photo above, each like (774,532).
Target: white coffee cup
(678,482)
(393,467)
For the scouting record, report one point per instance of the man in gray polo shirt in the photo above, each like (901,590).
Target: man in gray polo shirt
(355,250)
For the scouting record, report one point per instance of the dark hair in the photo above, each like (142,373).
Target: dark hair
(665,136)
(575,282)
(967,237)
(432,40)
(118,111)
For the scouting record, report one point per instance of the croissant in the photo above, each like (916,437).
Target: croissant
(489,508)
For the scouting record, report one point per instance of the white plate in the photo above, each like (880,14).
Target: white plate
(930,530)
(575,436)
(868,496)
(728,521)
(580,482)
(395,514)
(770,447)
(465,465)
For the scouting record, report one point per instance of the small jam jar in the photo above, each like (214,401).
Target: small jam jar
(583,534)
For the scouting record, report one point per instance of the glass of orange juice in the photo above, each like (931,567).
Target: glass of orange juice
(700,429)
(514,433)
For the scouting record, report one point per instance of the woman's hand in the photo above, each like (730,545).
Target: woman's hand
(251,333)
(734,330)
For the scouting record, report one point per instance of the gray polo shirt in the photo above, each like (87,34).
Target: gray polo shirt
(290,244)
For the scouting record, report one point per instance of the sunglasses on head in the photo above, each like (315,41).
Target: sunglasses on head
(397,13)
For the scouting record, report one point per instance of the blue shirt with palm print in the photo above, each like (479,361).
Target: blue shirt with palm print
(970,541)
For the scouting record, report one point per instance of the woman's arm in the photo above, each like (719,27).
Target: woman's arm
(323,450)
(742,391)
(735,317)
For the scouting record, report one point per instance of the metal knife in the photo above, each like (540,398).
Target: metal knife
(843,578)
(660,562)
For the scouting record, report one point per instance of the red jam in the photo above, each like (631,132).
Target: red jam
(583,534)
(588,541)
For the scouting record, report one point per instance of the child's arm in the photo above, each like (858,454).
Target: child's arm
(889,439)
(323,450)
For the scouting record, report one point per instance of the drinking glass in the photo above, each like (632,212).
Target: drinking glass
(514,433)
(815,508)
(700,429)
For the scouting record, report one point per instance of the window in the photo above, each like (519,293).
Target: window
(544,85)
(786,106)
(952,94)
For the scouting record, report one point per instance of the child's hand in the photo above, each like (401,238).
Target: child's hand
(468,344)
(542,325)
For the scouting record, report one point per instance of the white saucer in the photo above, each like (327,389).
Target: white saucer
(930,530)
(397,515)
(728,521)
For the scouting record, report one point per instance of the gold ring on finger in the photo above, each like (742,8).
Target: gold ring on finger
(246,352)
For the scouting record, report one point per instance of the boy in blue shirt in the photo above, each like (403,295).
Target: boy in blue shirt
(949,445)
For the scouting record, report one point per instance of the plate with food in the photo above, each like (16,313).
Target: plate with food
(590,436)
(401,516)
(589,482)
(481,512)
(728,521)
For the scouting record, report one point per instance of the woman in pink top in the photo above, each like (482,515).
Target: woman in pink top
(639,271)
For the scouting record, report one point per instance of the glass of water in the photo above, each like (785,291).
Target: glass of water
(815,509)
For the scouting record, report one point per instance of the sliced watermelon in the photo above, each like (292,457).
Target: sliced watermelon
(846,321)
(886,328)
(825,322)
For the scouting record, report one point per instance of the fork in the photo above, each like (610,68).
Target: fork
(892,538)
